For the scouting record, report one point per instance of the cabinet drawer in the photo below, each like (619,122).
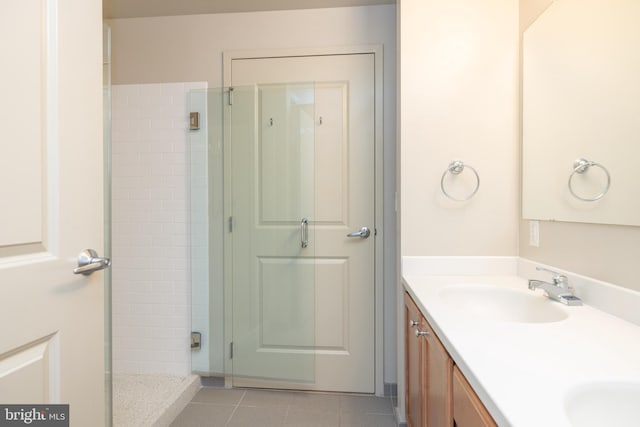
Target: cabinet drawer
(468,410)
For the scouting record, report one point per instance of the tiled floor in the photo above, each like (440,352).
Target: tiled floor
(213,407)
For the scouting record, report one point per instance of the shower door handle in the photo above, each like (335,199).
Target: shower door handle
(304,233)
(89,261)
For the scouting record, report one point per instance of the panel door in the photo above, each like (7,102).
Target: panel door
(341,345)
(51,184)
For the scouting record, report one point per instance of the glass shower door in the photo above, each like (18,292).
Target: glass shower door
(106,112)
(270,168)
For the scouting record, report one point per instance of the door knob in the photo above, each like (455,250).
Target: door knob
(89,261)
(363,233)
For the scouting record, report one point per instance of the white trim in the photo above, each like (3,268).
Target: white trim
(379,194)
(229,56)
(51,237)
(377,51)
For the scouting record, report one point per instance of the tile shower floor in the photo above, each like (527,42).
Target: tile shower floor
(213,407)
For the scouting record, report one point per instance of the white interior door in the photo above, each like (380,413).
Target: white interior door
(338,341)
(51,320)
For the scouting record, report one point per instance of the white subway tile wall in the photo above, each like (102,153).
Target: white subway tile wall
(151,268)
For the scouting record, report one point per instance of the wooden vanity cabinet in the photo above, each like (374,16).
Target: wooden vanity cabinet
(415,368)
(468,410)
(437,394)
(438,386)
(429,370)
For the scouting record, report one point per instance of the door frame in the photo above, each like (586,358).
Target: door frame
(377,51)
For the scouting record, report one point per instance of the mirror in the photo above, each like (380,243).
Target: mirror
(581,100)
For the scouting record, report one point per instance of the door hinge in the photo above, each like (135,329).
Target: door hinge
(230,96)
(230,224)
(231,350)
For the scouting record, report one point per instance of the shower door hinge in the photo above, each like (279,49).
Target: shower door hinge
(231,350)
(230,224)
(196,340)
(230,96)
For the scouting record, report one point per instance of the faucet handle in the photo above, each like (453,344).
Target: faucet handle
(558,279)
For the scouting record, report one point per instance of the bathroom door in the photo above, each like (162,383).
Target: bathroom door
(339,185)
(51,320)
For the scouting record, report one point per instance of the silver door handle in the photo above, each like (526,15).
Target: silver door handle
(304,233)
(89,261)
(363,233)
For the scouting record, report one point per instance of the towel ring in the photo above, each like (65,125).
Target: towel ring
(581,166)
(455,168)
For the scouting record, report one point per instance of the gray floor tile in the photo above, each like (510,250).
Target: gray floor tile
(212,382)
(249,416)
(316,401)
(310,417)
(218,396)
(365,405)
(213,407)
(266,398)
(366,420)
(203,415)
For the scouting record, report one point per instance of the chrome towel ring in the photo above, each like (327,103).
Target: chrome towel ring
(581,166)
(455,168)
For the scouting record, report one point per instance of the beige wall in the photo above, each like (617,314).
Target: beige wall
(453,105)
(189,48)
(459,100)
(530,10)
(605,252)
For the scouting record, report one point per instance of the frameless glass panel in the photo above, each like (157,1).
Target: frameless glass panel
(206,187)
(106,111)
(271,173)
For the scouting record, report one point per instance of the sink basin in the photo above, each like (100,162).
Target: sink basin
(502,304)
(604,404)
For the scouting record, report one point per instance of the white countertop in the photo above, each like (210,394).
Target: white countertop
(522,372)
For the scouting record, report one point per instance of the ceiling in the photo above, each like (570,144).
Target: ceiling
(113,9)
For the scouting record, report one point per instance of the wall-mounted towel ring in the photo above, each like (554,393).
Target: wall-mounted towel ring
(581,166)
(455,168)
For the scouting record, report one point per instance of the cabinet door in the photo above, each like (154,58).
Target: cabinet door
(415,349)
(468,410)
(439,366)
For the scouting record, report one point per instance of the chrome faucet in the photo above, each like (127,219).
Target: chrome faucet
(558,290)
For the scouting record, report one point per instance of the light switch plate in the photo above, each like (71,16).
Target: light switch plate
(534,233)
